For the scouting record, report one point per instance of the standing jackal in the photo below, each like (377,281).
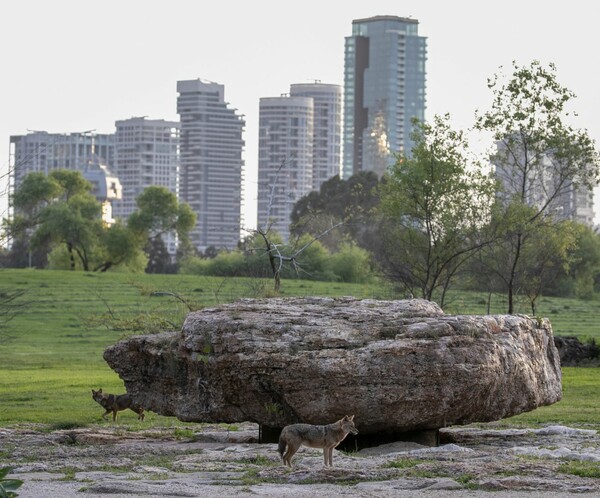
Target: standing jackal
(314,436)
(116,402)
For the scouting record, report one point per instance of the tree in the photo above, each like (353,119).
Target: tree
(434,206)
(585,265)
(539,158)
(159,213)
(352,201)
(58,209)
(546,258)
(120,246)
(281,254)
(580,278)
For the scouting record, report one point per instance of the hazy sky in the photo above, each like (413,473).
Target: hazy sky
(71,65)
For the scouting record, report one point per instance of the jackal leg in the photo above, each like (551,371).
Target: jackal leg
(329,455)
(289,453)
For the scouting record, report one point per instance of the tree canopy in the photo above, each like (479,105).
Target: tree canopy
(59,210)
(159,213)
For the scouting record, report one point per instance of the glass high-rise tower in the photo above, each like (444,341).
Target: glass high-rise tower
(384,89)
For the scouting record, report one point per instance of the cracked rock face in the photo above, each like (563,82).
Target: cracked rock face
(396,365)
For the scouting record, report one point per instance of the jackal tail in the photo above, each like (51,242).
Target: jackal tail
(281,448)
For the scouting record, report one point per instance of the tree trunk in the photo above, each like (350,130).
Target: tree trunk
(510,298)
(513,272)
(71,256)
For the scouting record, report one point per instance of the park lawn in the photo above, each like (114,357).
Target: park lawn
(51,352)
(568,316)
(579,406)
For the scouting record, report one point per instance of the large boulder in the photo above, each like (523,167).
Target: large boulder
(396,365)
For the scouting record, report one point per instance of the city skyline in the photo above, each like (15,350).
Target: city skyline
(60,78)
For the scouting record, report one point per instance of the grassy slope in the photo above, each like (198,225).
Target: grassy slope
(51,354)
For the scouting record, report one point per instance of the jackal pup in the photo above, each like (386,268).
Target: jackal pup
(314,436)
(115,403)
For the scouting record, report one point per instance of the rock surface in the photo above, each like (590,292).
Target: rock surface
(113,460)
(396,365)
(573,352)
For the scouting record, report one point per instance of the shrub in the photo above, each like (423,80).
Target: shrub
(351,264)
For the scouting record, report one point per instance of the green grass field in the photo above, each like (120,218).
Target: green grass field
(51,352)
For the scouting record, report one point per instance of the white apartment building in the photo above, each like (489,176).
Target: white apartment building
(40,151)
(285,158)
(146,153)
(211,164)
(537,177)
(327,128)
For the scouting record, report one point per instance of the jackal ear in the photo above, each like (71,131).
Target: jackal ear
(350,417)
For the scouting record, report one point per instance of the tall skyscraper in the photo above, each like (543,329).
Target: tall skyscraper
(285,158)
(384,89)
(40,151)
(327,133)
(146,153)
(211,163)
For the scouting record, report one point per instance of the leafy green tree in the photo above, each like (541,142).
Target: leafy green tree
(434,204)
(539,158)
(59,209)
(158,213)
(351,202)
(159,259)
(57,213)
(120,246)
(585,266)
(546,258)
(579,279)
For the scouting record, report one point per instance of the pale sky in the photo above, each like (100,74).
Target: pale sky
(72,65)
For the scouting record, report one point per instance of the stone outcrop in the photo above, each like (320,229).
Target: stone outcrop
(573,352)
(396,365)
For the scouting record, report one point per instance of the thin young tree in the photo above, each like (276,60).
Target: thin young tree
(434,204)
(540,159)
(281,254)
